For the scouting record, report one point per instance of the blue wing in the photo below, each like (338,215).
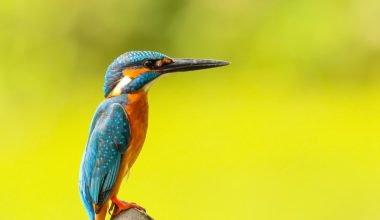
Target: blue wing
(108,140)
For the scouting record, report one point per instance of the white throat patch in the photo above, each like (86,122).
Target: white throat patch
(122,83)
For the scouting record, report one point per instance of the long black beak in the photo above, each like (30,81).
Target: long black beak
(181,65)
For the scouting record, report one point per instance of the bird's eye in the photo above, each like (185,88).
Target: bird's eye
(148,64)
(155,64)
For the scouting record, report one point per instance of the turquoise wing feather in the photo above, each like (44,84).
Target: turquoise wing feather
(108,140)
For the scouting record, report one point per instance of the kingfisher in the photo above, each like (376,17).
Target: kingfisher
(119,126)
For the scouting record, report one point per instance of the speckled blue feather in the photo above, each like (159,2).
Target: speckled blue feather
(128,59)
(108,140)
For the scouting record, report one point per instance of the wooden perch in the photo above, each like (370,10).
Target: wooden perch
(132,214)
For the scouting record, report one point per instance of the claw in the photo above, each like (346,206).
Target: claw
(119,206)
(112,208)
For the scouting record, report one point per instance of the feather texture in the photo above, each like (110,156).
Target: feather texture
(108,141)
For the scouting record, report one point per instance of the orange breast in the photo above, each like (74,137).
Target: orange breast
(137,111)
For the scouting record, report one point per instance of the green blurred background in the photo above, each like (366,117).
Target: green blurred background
(290,130)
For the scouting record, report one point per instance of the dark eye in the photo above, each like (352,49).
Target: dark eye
(148,64)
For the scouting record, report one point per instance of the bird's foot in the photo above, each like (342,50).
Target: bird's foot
(119,206)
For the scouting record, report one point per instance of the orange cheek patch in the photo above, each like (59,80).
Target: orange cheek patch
(133,73)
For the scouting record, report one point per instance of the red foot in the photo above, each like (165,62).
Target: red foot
(119,206)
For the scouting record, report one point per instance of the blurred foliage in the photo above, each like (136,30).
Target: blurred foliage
(290,130)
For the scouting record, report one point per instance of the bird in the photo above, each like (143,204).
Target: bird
(119,126)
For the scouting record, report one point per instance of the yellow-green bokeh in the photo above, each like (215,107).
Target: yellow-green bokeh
(289,131)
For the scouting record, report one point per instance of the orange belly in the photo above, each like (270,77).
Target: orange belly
(137,111)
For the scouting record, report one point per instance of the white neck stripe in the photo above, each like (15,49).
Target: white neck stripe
(119,87)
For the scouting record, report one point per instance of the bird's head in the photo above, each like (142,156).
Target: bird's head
(136,70)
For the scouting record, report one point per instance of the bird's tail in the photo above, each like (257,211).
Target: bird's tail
(85,194)
(88,205)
